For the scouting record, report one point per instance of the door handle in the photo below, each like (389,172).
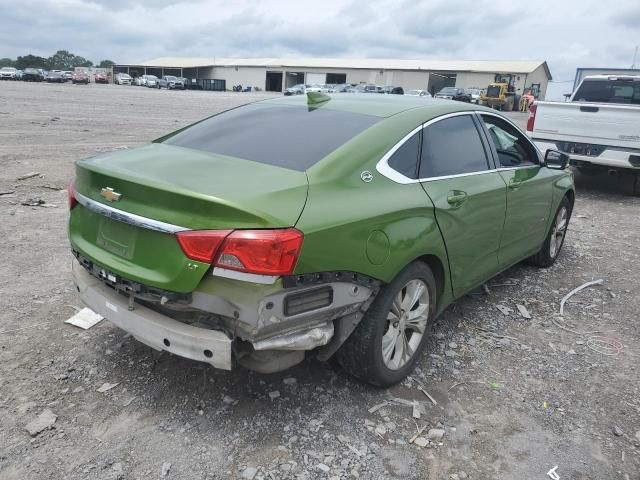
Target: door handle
(514,184)
(455,198)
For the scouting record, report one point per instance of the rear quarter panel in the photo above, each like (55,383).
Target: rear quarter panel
(375,228)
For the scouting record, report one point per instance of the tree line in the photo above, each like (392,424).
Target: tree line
(61,60)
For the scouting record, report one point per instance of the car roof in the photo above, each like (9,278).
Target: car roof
(612,76)
(378,105)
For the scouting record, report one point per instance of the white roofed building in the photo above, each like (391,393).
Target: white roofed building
(277,74)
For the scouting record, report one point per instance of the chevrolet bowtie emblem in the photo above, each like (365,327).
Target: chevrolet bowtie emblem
(110,195)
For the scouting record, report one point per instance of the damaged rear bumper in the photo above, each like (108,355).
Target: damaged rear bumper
(225,318)
(151,328)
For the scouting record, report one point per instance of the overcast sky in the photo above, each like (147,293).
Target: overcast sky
(566,33)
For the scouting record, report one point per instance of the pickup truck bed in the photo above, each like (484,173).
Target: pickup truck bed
(597,134)
(599,128)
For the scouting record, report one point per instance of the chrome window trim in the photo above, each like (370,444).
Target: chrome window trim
(385,170)
(458,175)
(126,217)
(244,276)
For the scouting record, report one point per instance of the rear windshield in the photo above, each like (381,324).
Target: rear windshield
(609,91)
(284,136)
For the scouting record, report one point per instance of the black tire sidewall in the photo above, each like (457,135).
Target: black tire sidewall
(367,338)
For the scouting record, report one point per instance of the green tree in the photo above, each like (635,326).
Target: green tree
(32,61)
(7,62)
(65,60)
(106,63)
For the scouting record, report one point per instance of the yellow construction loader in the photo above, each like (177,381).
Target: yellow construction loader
(501,93)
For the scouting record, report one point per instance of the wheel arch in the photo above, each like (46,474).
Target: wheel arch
(437,267)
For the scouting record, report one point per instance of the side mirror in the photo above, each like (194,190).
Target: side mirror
(556,160)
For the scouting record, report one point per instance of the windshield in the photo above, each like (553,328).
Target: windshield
(448,90)
(284,136)
(609,91)
(171,78)
(473,91)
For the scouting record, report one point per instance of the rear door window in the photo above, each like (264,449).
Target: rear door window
(285,136)
(452,147)
(513,149)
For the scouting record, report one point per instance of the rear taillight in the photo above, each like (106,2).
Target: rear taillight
(71,190)
(264,252)
(532,117)
(201,245)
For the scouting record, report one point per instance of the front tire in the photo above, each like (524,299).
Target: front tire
(385,346)
(552,245)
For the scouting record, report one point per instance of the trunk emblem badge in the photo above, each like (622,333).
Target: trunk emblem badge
(366,176)
(110,195)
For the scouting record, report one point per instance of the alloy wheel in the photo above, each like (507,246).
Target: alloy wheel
(406,324)
(558,231)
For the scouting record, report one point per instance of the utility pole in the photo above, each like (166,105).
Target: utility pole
(635,54)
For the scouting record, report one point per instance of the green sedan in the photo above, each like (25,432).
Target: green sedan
(337,224)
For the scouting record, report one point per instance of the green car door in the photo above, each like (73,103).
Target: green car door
(529,190)
(469,196)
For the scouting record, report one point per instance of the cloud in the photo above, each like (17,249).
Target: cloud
(568,34)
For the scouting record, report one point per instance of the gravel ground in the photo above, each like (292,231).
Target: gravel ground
(515,397)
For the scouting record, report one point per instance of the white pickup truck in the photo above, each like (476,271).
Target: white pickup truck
(599,128)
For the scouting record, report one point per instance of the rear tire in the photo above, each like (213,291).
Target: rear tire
(388,341)
(552,245)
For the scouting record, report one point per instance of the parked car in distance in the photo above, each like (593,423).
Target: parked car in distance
(474,94)
(101,78)
(417,93)
(68,75)
(298,89)
(314,88)
(453,93)
(170,83)
(19,74)
(55,77)
(599,127)
(33,75)
(390,89)
(364,88)
(8,73)
(151,81)
(342,87)
(80,77)
(123,79)
(241,248)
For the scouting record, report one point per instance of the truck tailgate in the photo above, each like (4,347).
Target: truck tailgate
(593,123)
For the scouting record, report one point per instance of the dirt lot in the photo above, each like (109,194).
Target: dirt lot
(515,397)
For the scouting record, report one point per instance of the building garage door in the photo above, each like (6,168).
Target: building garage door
(316,78)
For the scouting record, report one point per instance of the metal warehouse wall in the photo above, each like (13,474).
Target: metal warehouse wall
(474,79)
(245,76)
(537,76)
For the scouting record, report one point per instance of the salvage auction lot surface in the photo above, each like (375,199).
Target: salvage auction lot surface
(515,397)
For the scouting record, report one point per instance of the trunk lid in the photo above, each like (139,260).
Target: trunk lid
(182,187)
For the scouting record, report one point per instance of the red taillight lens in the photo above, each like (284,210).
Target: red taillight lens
(201,245)
(532,117)
(265,252)
(71,190)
